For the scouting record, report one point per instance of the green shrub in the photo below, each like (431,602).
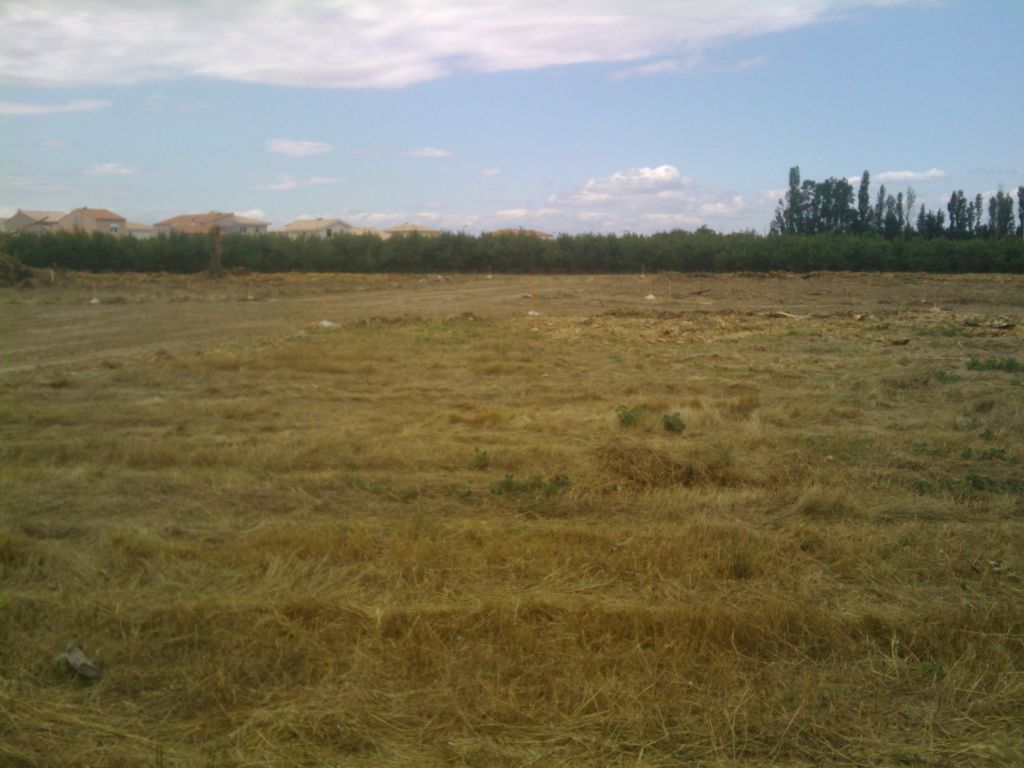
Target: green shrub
(534,486)
(673,422)
(1006,364)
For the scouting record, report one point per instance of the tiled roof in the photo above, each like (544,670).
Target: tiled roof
(47,216)
(100,214)
(193,222)
(314,225)
(412,228)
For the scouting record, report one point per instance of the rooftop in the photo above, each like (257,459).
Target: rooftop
(313,225)
(407,227)
(48,216)
(100,214)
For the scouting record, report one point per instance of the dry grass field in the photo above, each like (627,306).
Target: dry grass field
(766,521)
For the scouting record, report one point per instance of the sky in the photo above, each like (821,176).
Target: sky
(562,115)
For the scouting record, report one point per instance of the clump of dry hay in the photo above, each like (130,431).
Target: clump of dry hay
(643,465)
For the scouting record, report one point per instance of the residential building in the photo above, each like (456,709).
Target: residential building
(526,232)
(94,220)
(409,229)
(34,221)
(370,231)
(315,228)
(201,223)
(243,225)
(139,231)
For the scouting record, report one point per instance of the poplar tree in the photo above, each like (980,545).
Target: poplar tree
(908,202)
(879,214)
(794,202)
(864,203)
(1020,210)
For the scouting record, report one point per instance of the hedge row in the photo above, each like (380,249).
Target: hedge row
(458,252)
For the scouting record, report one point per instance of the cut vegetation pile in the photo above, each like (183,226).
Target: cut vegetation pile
(771,540)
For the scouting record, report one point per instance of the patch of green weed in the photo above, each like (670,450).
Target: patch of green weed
(534,486)
(1005,364)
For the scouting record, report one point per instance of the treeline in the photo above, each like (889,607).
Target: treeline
(700,251)
(818,207)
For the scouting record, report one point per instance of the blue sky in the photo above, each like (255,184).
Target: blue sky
(564,115)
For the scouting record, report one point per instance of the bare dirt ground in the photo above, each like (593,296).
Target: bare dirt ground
(56,325)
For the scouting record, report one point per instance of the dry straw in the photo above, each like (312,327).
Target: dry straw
(432,541)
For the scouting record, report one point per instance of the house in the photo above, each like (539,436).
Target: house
(409,229)
(139,231)
(527,232)
(93,220)
(34,221)
(315,228)
(201,223)
(370,231)
(243,225)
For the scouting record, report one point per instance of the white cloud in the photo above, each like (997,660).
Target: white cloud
(252,213)
(110,169)
(664,181)
(652,198)
(900,176)
(429,152)
(22,108)
(286,181)
(752,63)
(660,67)
(50,43)
(54,144)
(723,211)
(294,148)
(489,171)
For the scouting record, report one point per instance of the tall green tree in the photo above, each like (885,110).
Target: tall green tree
(879,212)
(794,202)
(1000,214)
(892,224)
(1020,210)
(864,203)
(909,200)
(961,215)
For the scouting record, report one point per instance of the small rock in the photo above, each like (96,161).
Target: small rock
(78,663)
(94,300)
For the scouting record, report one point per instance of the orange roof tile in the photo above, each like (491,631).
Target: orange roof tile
(100,214)
(192,222)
